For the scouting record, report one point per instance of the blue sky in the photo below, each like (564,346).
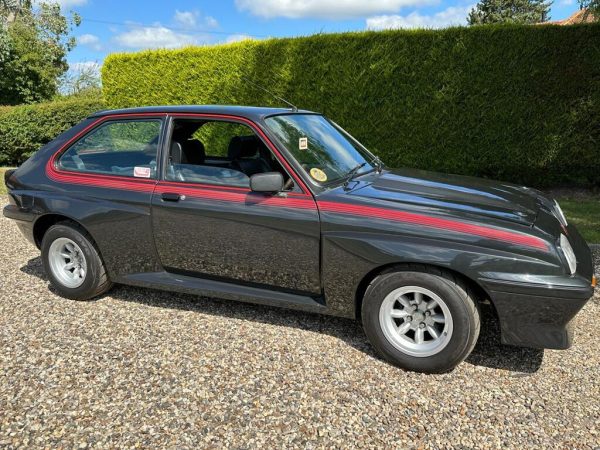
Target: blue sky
(132,25)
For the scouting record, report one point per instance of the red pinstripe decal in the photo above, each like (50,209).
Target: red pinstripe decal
(239,197)
(434,222)
(294,200)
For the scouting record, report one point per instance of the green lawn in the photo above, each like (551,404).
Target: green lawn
(581,209)
(2,185)
(583,212)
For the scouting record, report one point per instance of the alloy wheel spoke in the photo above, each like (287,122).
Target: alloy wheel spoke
(402,329)
(399,313)
(432,332)
(431,305)
(403,301)
(419,336)
(439,318)
(418,297)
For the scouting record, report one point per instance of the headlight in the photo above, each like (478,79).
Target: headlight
(559,214)
(569,253)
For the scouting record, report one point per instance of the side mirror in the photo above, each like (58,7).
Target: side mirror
(266,182)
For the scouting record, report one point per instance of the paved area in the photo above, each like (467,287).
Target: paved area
(143,368)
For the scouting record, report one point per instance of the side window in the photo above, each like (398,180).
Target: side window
(125,148)
(218,152)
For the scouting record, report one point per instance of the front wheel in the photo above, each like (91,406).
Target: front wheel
(425,321)
(72,262)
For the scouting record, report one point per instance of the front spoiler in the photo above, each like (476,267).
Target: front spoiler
(539,321)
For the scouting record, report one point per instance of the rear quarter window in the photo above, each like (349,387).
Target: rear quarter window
(123,148)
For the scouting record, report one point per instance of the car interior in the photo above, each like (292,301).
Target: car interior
(219,153)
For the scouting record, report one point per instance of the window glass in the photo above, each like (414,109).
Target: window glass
(323,150)
(216,136)
(218,152)
(125,148)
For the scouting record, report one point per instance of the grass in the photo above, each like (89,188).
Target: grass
(2,185)
(584,212)
(582,208)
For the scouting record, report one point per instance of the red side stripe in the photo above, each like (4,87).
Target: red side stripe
(294,200)
(237,197)
(434,222)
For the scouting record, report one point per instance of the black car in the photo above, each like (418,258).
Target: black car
(284,208)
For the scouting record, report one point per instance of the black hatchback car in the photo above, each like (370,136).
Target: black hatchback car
(285,208)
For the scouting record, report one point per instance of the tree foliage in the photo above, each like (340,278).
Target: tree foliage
(513,102)
(592,8)
(510,11)
(34,42)
(81,79)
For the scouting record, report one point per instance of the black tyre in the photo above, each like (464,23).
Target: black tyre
(72,262)
(423,320)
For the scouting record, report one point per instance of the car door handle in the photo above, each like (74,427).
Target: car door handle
(171,197)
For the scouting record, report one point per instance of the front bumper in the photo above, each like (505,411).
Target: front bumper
(540,314)
(540,321)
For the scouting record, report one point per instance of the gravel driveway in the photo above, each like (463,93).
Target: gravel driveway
(147,368)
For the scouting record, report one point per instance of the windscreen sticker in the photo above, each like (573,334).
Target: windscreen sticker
(141,172)
(318,175)
(303,143)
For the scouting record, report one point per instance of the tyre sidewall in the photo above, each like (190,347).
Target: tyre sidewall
(464,324)
(92,278)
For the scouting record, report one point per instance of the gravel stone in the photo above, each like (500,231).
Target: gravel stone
(145,368)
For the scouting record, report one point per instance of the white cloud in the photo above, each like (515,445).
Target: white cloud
(91,41)
(453,15)
(329,9)
(154,37)
(566,2)
(192,19)
(186,18)
(237,38)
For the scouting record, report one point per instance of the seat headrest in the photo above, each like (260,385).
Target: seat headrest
(176,153)
(194,152)
(243,147)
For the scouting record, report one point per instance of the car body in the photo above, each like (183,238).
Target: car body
(316,246)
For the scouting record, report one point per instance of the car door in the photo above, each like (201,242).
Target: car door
(209,224)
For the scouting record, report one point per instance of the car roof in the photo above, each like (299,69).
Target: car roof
(250,112)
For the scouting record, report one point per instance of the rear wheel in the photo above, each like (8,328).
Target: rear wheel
(426,321)
(72,263)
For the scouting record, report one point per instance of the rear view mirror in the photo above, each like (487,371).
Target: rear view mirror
(266,182)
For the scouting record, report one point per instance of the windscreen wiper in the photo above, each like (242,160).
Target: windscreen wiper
(353,173)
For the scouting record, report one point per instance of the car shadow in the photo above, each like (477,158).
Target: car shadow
(489,351)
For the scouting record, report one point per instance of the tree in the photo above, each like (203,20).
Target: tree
(81,79)
(592,7)
(34,42)
(509,11)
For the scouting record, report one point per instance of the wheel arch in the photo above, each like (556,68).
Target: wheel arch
(481,294)
(43,224)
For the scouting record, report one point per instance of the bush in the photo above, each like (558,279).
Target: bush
(520,103)
(24,129)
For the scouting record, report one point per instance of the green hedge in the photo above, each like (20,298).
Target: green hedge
(24,129)
(520,103)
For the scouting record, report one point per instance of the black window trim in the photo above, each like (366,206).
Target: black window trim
(111,119)
(166,147)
